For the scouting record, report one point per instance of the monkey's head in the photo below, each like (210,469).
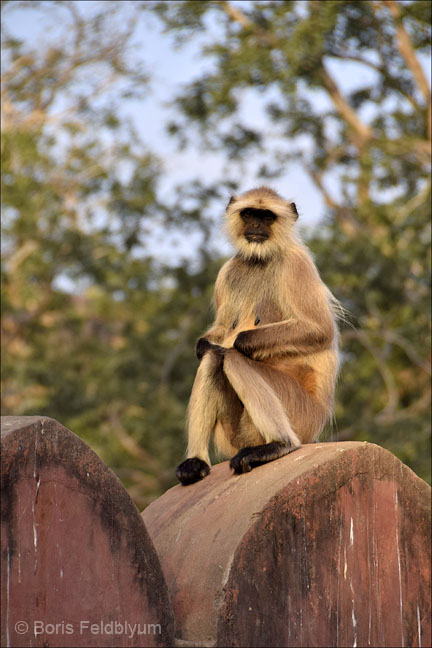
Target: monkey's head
(260,223)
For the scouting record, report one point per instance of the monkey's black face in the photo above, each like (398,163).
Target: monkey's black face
(257,224)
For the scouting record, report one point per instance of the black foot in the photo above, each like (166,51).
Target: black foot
(192,470)
(249,458)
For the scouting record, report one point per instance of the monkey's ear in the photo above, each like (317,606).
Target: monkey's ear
(231,200)
(294,210)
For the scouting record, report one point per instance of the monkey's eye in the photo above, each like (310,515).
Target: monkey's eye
(247,213)
(268,216)
(262,214)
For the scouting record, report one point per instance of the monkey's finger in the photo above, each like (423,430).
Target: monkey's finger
(240,463)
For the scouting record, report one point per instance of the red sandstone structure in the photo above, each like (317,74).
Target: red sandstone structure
(78,566)
(328,546)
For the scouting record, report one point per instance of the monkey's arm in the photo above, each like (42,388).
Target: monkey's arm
(296,337)
(310,329)
(216,333)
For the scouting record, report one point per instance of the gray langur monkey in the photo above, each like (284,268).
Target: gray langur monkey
(268,364)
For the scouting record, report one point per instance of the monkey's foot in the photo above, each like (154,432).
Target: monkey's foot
(253,456)
(192,470)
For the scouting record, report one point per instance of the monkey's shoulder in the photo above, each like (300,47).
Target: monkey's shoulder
(300,265)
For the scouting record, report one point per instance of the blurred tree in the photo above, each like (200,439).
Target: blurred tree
(347,97)
(96,332)
(93,328)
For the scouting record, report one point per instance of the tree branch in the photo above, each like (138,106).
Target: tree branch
(237,15)
(407,347)
(378,68)
(347,224)
(386,374)
(363,132)
(412,204)
(407,52)
(318,180)
(128,442)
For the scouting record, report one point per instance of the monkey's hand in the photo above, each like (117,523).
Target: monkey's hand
(192,470)
(243,343)
(203,345)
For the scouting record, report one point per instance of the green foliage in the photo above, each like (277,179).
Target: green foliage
(96,331)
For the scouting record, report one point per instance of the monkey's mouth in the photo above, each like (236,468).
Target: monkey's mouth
(255,237)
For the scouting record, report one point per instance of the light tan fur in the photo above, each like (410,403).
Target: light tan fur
(278,384)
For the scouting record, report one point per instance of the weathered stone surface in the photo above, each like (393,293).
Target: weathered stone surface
(75,551)
(328,546)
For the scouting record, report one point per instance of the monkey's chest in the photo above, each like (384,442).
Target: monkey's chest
(238,325)
(258,314)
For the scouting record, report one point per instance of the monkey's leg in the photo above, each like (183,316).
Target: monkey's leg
(265,409)
(202,414)
(250,381)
